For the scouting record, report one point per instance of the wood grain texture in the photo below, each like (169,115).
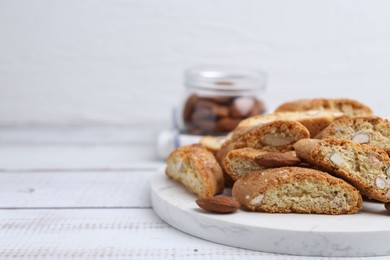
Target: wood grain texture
(77,135)
(122,62)
(75,189)
(78,148)
(90,157)
(99,233)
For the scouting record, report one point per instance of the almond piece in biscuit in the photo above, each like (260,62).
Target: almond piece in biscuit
(374,131)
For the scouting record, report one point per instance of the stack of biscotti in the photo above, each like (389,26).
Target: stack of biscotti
(269,160)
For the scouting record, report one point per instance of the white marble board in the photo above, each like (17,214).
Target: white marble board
(363,234)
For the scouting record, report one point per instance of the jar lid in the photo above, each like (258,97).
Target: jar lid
(225,78)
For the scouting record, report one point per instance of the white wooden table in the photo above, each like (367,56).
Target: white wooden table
(83,193)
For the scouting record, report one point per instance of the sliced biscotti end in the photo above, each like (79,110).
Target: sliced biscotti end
(197,169)
(365,167)
(298,190)
(374,131)
(239,162)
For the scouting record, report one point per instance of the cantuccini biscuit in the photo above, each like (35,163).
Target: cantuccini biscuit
(239,162)
(277,135)
(365,167)
(347,106)
(295,189)
(374,131)
(197,169)
(315,121)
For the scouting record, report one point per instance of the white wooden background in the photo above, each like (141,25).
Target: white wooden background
(121,61)
(86,86)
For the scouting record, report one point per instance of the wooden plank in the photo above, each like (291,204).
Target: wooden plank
(52,148)
(75,189)
(54,157)
(86,135)
(102,233)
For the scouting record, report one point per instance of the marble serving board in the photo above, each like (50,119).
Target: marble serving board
(363,234)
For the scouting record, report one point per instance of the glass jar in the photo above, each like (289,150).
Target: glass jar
(217,98)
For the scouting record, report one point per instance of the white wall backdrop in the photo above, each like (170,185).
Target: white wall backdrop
(121,61)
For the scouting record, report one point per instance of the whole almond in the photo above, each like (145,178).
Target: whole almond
(227,123)
(222,100)
(207,126)
(200,114)
(220,111)
(276,159)
(189,107)
(220,204)
(258,108)
(242,106)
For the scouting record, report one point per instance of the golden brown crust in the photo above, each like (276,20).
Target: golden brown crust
(347,106)
(364,166)
(315,121)
(255,190)
(197,169)
(374,131)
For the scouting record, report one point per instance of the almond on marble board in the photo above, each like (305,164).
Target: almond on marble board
(219,204)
